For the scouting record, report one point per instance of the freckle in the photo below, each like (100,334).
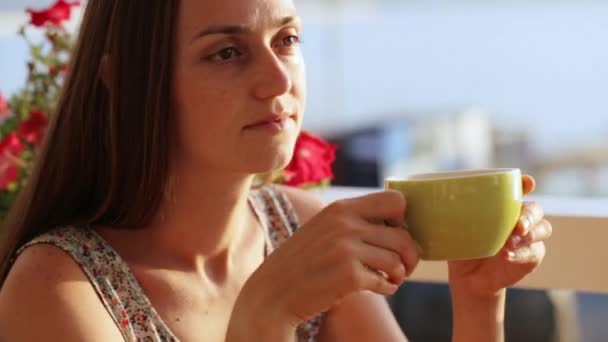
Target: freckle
(177,319)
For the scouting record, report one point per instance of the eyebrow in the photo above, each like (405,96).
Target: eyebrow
(237,29)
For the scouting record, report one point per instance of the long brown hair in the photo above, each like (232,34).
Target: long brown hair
(105,158)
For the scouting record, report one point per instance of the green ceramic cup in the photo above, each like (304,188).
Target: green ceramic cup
(463,214)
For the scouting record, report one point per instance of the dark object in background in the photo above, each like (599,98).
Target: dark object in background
(356,162)
(424,312)
(363,154)
(530,316)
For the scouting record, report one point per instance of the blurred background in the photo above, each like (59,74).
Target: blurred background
(410,86)
(406,86)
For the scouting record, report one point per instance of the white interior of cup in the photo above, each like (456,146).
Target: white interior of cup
(455,174)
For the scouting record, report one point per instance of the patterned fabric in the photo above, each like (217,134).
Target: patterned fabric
(123,296)
(283,221)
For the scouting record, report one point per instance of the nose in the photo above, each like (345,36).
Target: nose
(272,76)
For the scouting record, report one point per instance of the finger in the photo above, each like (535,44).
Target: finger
(389,223)
(531,215)
(387,206)
(532,254)
(540,232)
(369,279)
(528,184)
(397,240)
(385,261)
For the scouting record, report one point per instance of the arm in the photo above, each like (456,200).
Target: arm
(478,319)
(46,297)
(364,316)
(359,318)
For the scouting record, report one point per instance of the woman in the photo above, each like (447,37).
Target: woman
(141,222)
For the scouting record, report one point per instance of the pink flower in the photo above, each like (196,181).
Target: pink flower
(5,109)
(33,129)
(312,161)
(10,149)
(54,15)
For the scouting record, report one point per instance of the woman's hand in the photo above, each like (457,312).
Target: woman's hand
(523,252)
(340,251)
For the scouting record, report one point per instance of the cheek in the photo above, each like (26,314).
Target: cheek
(203,111)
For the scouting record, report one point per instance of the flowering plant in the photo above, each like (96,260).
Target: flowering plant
(24,119)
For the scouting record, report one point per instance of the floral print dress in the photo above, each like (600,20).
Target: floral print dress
(122,295)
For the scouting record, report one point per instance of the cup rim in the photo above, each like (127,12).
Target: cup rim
(470,173)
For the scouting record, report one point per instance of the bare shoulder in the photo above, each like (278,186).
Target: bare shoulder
(46,296)
(305,203)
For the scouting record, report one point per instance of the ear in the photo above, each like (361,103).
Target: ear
(105,71)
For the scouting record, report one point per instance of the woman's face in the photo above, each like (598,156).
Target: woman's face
(239,84)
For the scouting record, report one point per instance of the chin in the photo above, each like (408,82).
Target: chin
(268,161)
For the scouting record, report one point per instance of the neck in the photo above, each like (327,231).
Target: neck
(204,218)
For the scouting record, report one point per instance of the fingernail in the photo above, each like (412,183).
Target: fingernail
(525,223)
(511,255)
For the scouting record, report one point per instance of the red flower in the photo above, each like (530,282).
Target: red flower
(10,149)
(311,162)
(55,15)
(55,70)
(5,109)
(3,104)
(32,130)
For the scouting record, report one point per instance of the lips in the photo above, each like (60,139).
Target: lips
(271,120)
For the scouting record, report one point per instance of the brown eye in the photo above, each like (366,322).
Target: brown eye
(291,40)
(225,55)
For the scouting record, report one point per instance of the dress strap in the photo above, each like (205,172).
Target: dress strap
(114,283)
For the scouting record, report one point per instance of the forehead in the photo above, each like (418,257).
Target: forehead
(196,14)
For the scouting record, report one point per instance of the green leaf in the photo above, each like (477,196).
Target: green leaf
(36,51)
